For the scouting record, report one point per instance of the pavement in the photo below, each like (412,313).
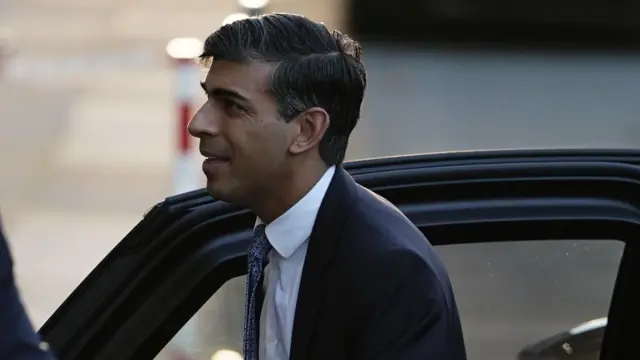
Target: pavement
(66,201)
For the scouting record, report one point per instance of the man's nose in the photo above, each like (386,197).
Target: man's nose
(202,124)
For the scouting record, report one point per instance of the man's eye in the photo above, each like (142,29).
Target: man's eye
(231,105)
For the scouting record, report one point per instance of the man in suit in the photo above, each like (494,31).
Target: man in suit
(18,340)
(348,276)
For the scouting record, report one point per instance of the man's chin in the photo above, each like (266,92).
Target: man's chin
(220,192)
(215,191)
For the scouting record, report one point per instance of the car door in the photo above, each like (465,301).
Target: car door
(188,246)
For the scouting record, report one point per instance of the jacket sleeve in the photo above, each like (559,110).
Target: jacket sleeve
(410,314)
(18,340)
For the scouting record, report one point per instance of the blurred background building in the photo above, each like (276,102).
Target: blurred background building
(88,132)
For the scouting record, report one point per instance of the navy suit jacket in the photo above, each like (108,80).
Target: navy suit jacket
(18,340)
(372,286)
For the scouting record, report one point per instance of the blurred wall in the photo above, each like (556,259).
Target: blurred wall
(440,100)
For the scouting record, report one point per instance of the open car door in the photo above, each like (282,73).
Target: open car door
(188,246)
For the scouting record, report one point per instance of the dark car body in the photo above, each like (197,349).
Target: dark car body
(187,246)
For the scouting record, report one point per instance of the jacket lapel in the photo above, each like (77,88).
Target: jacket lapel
(323,243)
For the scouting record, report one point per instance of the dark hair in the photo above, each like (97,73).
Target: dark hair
(314,67)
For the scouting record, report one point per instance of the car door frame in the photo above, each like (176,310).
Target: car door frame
(189,245)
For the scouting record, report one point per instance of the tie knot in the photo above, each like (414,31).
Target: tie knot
(260,246)
(260,231)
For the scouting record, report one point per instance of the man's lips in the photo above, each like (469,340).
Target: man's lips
(216,159)
(213,165)
(213,156)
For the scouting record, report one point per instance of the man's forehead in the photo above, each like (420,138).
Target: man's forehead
(248,77)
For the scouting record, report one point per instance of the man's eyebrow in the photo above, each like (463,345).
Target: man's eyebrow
(223,93)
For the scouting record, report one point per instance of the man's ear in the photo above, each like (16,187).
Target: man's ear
(313,124)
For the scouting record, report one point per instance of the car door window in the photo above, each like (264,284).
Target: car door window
(509,294)
(215,331)
(513,294)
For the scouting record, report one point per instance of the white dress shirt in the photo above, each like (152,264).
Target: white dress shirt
(289,237)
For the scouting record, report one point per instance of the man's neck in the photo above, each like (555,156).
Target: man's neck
(282,198)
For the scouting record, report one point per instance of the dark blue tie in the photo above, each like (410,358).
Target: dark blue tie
(254,296)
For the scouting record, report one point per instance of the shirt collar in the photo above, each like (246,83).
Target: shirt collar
(289,231)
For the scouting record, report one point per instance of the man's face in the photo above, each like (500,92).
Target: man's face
(243,139)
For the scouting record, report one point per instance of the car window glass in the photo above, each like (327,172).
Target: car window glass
(216,329)
(514,294)
(510,295)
